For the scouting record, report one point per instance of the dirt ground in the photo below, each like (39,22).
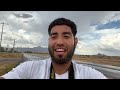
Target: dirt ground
(8,61)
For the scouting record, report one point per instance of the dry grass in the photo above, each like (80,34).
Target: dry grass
(10,55)
(8,61)
(7,66)
(107,60)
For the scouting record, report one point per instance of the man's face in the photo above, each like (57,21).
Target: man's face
(61,44)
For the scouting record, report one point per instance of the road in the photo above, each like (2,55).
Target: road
(112,72)
(30,57)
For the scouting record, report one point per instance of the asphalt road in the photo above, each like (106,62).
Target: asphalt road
(29,57)
(112,72)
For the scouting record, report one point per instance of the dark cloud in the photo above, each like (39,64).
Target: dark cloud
(110,25)
(39,28)
(22,15)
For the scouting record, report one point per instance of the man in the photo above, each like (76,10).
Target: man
(62,43)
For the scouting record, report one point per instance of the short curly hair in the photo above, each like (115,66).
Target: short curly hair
(63,21)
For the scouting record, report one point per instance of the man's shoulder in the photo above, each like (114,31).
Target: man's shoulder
(35,62)
(80,65)
(85,67)
(88,72)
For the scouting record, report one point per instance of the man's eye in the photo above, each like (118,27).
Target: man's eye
(53,37)
(66,36)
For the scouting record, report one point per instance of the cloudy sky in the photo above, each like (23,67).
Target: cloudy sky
(98,31)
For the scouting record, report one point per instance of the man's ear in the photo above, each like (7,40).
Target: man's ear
(76,41)
(48,39)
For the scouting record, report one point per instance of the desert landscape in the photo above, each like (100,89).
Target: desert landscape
(11,60)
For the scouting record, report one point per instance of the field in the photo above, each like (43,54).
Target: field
(10,55)
(8,61)
(107,60)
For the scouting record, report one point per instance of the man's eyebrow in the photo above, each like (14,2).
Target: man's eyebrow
(67,33)
(54,33)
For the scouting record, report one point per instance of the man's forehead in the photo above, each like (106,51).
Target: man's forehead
(61,29)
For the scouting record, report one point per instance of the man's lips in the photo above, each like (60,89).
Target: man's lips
(60,51)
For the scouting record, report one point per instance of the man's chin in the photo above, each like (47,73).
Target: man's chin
(60,57)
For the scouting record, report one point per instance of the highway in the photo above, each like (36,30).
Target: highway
(112,72)
(32,57)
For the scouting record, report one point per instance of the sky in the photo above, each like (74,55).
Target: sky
(98,31)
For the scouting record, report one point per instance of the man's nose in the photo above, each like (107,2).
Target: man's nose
(60,41)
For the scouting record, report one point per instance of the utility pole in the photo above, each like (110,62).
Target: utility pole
(13,45)
(1,35)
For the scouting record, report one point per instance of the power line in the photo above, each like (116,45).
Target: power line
(10,28)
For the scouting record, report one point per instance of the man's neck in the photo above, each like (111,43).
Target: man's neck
(61,68)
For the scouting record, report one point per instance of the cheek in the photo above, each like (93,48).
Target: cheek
(50,43)
(70,44)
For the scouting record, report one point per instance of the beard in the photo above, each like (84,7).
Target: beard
(61,60)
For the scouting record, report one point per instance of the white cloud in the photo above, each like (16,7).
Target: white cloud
(21,31)
(84,48)
(111,41)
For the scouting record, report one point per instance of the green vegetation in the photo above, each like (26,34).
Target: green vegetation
(27,52)
(2,49)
